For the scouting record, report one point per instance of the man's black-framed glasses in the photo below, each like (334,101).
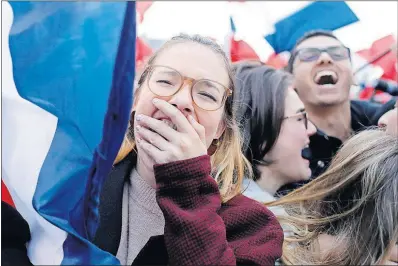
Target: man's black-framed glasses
(311,54)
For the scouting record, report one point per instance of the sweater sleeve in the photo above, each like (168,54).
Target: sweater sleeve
(195,233)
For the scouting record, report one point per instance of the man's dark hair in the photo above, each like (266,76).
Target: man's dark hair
(260,98)
(306,36)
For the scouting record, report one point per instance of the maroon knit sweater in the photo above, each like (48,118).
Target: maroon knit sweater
(201,230)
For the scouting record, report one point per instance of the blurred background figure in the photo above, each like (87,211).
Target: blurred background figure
(275,129)
(349,214)
(389,121)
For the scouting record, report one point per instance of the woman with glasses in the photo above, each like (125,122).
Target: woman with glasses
(275,128)
(174,194)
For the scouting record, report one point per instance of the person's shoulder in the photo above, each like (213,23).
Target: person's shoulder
(365,105)
(244,208)
(241,200)
(370,110)
(252,231)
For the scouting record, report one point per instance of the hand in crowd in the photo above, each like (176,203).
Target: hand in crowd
(173,139)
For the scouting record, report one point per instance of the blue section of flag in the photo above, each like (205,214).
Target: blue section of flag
(317,15)
(232,24)
(76,61)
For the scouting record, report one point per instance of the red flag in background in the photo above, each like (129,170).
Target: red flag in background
(276,61)
(240,50)
(5,195)
(142,52)
(388,62)
(142,7)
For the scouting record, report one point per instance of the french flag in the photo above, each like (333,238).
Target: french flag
(381,54)
(238,50)
(377,62)
(332,16)
(67,89)
(143,52)
(316,15)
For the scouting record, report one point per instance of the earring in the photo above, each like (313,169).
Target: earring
(213,147)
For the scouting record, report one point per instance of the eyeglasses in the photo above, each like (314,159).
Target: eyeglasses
(207,94)
(337,53)
(302,116)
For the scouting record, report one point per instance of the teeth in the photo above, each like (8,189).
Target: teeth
(325,73)
(169,123)
(327,86)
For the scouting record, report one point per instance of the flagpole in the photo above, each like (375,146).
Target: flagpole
(393,47)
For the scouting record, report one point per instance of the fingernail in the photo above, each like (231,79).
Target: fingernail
(155,100)
(137,128)
(138,117)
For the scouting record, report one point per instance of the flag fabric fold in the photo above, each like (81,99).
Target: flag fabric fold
(317,15)
(67,92)
(239,49)
(382,52)
(142,7)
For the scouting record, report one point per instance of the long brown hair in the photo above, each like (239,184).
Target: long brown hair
(355,201)
(229,164)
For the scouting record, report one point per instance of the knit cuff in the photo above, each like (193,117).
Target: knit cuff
(198,167)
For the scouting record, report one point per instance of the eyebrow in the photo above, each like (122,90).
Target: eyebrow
(169,72)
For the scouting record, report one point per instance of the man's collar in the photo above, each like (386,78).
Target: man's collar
(356,123)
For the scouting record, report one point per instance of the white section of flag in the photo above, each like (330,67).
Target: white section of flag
(27,134)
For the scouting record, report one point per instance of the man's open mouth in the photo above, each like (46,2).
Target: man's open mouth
(326,77)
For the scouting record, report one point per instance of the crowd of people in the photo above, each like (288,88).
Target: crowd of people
(238,164)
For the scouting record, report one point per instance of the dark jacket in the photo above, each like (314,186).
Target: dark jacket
(199,228)
(14,234)
(364,114)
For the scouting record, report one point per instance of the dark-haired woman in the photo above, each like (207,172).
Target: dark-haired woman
(275,129)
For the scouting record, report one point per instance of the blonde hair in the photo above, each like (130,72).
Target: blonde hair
(229,164)
(355,200)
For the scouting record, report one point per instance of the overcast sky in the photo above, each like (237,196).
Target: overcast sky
(255,19)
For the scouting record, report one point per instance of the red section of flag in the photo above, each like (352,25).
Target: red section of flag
(240,50)
(142,7)
(5,195)
(388,62)
(276,61)
(142,52)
